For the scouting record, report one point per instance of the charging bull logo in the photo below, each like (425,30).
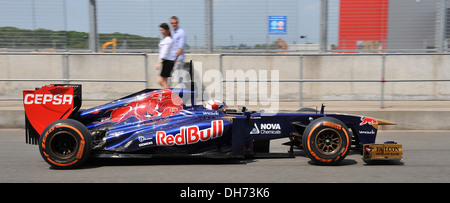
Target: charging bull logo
(160,103)
(367,120)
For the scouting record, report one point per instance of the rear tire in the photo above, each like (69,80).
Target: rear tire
(326,141)
(65,144)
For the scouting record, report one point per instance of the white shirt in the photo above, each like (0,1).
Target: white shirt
(164,49)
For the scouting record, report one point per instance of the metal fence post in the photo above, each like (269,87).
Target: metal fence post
(441,22)
(146,70)
(66,67)
(301,83)
(323,25)
(223,75)
(93,37)
(209,25)
(383,79)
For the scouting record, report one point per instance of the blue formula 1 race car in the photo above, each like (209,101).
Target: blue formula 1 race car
(153,123)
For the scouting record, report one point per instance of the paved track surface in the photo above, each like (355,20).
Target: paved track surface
(426,159)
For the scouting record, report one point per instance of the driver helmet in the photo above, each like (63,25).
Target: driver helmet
(213,104)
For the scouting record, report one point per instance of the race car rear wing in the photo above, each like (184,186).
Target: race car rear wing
(48,104)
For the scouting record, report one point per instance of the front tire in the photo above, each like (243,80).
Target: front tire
(326,141)
(65,144)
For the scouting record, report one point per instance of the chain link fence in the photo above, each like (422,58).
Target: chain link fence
(277,26)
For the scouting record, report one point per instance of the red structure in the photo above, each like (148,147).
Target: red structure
(363,22)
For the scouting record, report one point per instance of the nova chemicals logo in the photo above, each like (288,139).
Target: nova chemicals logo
(266,128)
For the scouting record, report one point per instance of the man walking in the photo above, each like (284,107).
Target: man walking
(178,47)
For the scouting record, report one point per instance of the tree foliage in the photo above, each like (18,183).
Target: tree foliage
(16,38)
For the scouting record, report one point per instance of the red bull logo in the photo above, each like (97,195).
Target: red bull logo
(190,135)
(367,120)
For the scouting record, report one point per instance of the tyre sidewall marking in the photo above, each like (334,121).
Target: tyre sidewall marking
(80,148)
(331,125)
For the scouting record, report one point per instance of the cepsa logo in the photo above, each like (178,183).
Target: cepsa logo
(57,99)
(190,135)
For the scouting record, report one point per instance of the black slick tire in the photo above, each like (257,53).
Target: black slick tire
(65,143)
(326,141)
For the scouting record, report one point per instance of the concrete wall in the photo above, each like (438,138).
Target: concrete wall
(343,68)
(133,67)
(418,67)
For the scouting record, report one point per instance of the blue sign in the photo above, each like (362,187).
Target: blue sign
(277,25)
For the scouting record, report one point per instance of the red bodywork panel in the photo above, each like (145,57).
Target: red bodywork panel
(48,104)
